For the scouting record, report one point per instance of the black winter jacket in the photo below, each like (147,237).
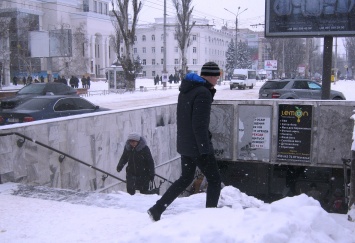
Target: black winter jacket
(139,159)
(193,116)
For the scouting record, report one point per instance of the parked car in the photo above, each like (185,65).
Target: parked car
(295,89)
(46,107)
(36,89)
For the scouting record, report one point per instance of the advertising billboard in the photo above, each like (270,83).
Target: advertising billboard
(270,65)
(316,18)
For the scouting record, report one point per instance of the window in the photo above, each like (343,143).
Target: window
(176,61)
(143,38)
(194,49)
(135,38)
(176,49)
(144,62)
(95,6)
(153,73)
(144,74)
(162,61)
(194,37)
(83,104)
(153,61)
(105,9)
(144,50)
(100,8)
(135,50)
(162,49)
(86,5)
(153,49)
(65,105)
(194,61)
(153,37)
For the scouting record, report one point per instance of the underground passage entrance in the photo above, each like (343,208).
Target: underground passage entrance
(270,182)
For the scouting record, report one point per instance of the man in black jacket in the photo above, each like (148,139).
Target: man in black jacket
(140,169)
(194,139)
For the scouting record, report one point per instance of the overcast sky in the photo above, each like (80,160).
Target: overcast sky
(212,10)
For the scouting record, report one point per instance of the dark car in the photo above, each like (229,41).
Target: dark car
(36,89)
(46,107)
(295,89)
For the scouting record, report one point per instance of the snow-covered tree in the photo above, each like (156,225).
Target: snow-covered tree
(138,65)
(184,16)
(127,26)
(243,58)
(230,58)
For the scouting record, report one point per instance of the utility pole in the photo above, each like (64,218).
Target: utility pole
(236,34)
(164,74)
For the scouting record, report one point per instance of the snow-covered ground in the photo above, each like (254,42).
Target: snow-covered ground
(39,214)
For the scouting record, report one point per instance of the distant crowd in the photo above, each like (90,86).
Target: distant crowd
(172,79)
(73,81)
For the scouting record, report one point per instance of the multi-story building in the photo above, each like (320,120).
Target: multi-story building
(90,49)
(90,27)
(206,44)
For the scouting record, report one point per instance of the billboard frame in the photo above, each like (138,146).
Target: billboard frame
(282,19)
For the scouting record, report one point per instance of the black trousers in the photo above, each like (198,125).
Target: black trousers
(188,167)
(134,183)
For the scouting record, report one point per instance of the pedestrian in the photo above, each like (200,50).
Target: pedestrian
(29,79)
(140,169)
(14,80)
(76,82)
(72,82)
(63,80)
(194,138)
(24,80)
(314,192)
(88,82)
(83,82)
(42,79)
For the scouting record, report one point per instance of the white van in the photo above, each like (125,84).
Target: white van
(243,78)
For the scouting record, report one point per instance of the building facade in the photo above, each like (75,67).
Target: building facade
(90,27)
(91,49)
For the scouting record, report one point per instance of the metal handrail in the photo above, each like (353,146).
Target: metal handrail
(63,155)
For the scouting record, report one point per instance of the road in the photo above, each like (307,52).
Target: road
(154,97)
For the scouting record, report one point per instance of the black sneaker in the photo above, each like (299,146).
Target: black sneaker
(155,213)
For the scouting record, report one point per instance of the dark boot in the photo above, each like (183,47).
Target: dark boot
(155,212)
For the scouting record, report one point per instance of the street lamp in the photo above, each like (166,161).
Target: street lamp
(236,33)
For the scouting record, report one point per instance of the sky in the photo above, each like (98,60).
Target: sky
(212,10)
(40,214)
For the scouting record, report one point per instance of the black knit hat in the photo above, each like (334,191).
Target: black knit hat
(210,69)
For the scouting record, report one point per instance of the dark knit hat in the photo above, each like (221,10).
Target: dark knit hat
(134,136)
(210,69)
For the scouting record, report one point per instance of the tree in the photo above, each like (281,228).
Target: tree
(184,11)
(127,28)
(350,50)
(79,62)
(230,58)
(243,58)
(138,65)
(4,47)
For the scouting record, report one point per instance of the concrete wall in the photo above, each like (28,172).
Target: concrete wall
(98,140)
(330,131)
